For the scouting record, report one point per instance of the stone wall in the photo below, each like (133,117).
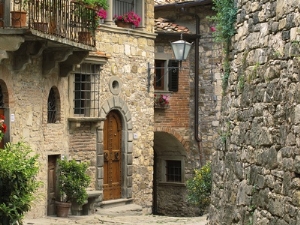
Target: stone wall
(179,119)
(28,93)
(129,52)
(256,168)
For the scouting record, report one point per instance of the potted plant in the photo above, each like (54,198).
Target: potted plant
(161,101)
(129,20)
(72,183)
(87,11)
(18,17)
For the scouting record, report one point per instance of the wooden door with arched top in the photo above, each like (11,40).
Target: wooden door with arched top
(112,156)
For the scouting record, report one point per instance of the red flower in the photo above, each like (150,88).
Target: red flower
(4,127)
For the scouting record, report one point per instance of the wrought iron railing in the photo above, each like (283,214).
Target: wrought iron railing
(63,18)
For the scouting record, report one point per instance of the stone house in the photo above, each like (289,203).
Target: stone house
(185,129)
(84,99)
(257,165)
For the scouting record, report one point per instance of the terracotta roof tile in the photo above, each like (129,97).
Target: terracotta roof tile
(165,25)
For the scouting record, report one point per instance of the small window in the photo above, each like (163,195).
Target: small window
(85,90)
(52,107)
(173,171)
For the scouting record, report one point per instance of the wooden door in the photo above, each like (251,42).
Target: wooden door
(2,141)
(51,184)
(112,156)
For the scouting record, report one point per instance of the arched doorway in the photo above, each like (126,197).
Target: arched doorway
(112,134)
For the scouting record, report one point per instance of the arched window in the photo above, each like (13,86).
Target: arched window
(53,106)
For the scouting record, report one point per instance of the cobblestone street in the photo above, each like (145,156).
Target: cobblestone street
(118,215)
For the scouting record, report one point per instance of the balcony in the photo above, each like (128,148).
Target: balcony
(61,31)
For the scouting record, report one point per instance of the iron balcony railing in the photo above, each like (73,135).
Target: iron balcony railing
(63,18)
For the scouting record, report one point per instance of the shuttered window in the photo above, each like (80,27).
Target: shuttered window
(173,75)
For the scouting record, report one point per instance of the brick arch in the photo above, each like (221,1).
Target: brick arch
(118,104)
(170,130)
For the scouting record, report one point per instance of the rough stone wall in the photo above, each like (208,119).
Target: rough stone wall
(179,119)
(28,90)
(256,168)
(129,52)
(28,93)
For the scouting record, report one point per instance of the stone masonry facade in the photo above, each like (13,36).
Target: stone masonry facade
(178,120)
(256,168)
(124,55)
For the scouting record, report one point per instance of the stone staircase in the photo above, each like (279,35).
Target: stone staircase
(119,207)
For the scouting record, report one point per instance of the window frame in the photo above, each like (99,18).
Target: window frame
(85,102)
(168,75)
(163,165)
(139,8)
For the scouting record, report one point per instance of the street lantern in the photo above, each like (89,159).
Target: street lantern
(181,49)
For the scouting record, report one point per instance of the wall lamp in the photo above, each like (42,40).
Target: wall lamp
(181,49)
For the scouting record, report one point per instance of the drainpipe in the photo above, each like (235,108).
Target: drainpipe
(198,137)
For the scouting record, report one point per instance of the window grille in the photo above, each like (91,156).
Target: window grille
(86,91)
(52,107)
(173,171)
(123,6)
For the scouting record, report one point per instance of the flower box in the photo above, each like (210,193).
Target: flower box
(131,19)
(161,101)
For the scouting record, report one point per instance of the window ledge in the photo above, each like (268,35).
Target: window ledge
(171,184)
(158,106)
(77,121)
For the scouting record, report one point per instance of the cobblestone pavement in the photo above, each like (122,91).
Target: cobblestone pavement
(117,217)
(114,219)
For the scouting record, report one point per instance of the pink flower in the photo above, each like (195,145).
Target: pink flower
(102,14)
(213,29)
(130,17)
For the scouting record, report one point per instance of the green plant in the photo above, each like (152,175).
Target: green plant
(95,3)
(225,29)
(73,181)
(18,170)
(224,19)
(199,187)
(241,82)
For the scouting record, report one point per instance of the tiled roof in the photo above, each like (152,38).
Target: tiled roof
(164,25)
(163,2)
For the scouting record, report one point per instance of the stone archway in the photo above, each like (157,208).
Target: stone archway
(117,104)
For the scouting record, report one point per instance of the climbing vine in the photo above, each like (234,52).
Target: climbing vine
(225,29)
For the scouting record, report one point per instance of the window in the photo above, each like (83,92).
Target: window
(173,171)
(124,6)
(159,75)
(86,90)
(52,107)
(166,75)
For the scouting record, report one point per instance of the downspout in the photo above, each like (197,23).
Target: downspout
(198,137)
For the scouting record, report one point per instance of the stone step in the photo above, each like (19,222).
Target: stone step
(115,203)
(115,207)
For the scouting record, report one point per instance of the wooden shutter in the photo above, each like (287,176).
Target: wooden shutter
(173,75)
